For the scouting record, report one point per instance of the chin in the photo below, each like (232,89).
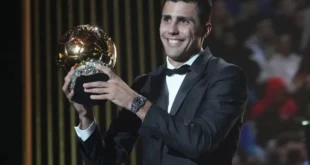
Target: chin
(173,55)
(177,57)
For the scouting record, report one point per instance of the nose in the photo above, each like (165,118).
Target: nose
(173,29)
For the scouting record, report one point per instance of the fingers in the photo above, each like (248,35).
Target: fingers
(105,70)
(65,88)
(101,97)
(97,90)
(97,84)
(113,77)
(70,95)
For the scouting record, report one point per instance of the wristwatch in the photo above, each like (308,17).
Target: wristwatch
(137,103)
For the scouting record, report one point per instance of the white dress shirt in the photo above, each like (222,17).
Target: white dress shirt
(284,67)
(173,84)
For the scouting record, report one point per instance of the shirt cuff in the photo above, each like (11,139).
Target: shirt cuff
(85,134)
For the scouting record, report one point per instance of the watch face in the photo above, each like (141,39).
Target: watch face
(138,102)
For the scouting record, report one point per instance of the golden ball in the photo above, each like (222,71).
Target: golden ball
(84,44)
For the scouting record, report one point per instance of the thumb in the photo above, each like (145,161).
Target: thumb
(105,70)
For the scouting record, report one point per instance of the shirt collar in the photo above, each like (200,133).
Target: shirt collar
(189,62)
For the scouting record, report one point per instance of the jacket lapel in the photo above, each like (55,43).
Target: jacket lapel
(196,72)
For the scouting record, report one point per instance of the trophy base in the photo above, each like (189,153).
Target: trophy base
(80,96)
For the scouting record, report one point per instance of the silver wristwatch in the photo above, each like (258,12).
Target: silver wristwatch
(137,103)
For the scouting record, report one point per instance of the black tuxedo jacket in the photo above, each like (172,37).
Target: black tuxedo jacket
(202,128)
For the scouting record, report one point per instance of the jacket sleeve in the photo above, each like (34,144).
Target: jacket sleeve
(223,104)
(117,143)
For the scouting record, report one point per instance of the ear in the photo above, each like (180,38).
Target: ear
(207,29)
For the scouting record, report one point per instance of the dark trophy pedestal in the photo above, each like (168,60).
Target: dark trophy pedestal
(80,96)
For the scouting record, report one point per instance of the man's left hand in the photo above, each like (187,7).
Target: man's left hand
(115,89)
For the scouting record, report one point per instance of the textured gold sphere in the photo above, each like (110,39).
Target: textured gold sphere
(84,44)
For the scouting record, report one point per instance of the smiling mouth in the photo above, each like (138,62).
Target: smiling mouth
(174,41)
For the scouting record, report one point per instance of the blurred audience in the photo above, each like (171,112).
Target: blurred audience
(269,39)
(262,44)
(284,63)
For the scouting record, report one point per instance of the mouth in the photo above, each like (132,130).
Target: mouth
(174,42)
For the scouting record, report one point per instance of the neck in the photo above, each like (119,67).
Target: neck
(174,63)
(179,62)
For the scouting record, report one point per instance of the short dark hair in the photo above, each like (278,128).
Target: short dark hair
(204,8)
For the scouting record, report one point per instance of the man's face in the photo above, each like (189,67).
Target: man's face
(181,31)
(265,29)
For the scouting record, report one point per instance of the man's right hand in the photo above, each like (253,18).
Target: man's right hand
(84,111)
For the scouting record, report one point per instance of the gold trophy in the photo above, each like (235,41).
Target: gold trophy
(83,48)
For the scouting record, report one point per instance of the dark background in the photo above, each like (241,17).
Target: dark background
(11,80)
(11,114)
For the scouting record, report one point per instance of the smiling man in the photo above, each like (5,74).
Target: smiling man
(188,111)
(183,28)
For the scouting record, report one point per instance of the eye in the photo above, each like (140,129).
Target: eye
(183,21)
(166,18)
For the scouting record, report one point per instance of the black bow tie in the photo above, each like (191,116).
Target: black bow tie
(182,70)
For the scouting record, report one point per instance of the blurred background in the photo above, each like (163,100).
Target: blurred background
(269,39)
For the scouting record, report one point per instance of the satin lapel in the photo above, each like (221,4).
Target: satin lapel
(191,78)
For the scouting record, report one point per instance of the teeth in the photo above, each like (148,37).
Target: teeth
(173,41)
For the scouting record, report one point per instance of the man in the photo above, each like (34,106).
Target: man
(190,116)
